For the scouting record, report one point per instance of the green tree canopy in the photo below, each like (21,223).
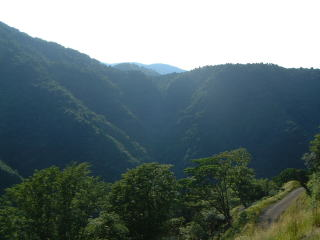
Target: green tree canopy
(108,226)
(144,198)
(312,158)
(290,174)
(52,204)
(223,177)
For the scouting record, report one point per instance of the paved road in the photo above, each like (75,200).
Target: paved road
(273,212)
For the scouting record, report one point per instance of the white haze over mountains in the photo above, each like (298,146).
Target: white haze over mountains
(183,33)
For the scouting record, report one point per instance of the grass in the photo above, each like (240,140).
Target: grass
(298,222)
(245,221)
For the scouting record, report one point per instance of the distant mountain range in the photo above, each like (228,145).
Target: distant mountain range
(151,69)
(59,106)
(136,67)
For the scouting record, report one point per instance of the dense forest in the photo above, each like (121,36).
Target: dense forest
(59,106)
(148,202)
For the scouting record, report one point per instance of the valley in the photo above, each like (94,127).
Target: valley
(60,106)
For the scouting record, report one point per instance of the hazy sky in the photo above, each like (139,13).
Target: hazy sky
(184,33)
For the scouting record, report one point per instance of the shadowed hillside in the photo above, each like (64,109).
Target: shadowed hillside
(58,105)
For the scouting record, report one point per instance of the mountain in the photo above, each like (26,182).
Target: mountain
(164,68)
(8,176)
(151,69)
(59,106)
(270,110)
(136,67)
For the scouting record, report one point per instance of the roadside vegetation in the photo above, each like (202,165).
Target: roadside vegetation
(246,221)
(301,220)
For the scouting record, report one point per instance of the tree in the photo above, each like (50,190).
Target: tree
(108,226)
(143,198)
(290,174)
(312,158)
(242,178)
(312,161)
(52,204)
(220,179)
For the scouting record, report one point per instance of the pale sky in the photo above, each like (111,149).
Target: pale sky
(184,33)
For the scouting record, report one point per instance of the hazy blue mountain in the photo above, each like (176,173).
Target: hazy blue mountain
(135,67)
(159,68)
(164,68)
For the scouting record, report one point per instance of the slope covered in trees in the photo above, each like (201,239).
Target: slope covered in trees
(270,110)
(8,176)
(58,105)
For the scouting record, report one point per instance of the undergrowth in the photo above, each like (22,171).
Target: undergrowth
(245,221)
(298,222)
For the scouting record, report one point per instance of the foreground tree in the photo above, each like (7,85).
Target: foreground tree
(242,177)
(52,204)
(143,198)
(223,177)
(312,158)
(108,226)
(312,162)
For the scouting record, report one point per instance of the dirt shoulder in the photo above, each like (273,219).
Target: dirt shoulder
(273,212)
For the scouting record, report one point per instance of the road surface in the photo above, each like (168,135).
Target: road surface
(273,212)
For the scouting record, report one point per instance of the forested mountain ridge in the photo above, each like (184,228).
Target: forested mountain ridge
(270,110)
(58,105)
(55,104)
